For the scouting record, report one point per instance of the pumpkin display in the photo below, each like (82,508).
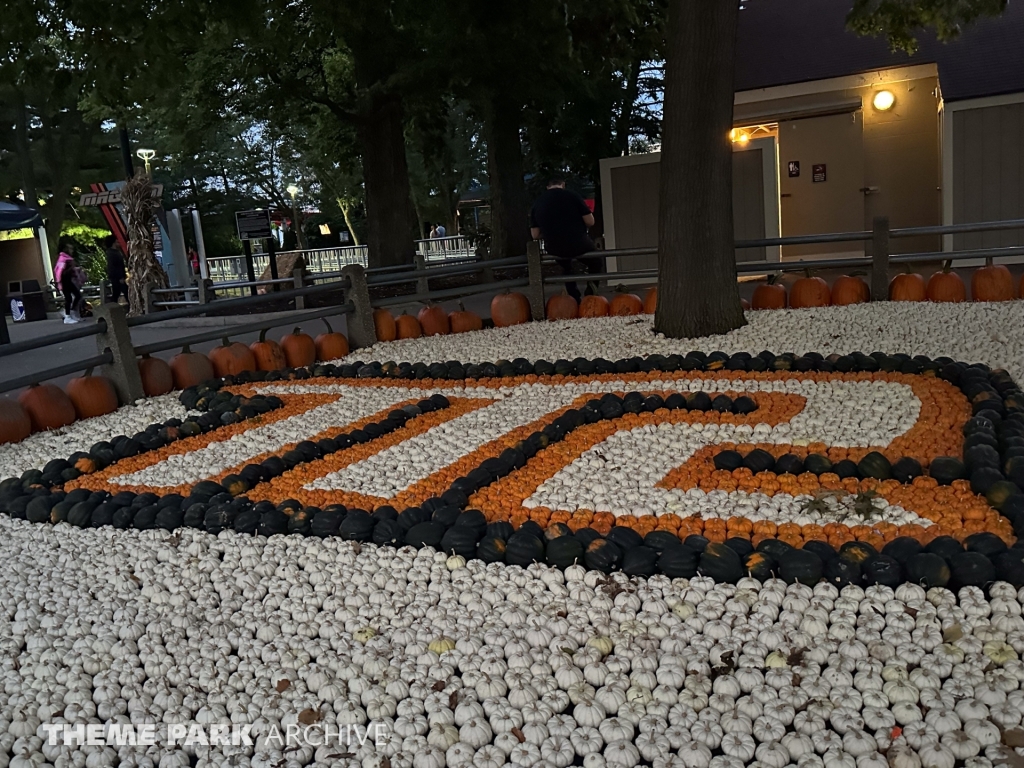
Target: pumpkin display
(594,306)
(330,345)
(408,327)
(384,325)
(721,563)
(561,306)
(156,375)
(801,566)
(625,304)
(47,407)
(770,295)
(433,320)
(908,286)
(268,354)
(299,349)
(15,424)
(850,289)
(946,286)
(993,282)
(651,300)
(809,291)
(92,395)
(509,308)
(463,321)
(190,368)
(231,359)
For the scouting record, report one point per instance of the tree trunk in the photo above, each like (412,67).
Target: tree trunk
(510,228)
(697,290)
(143,268)
(346,212)
(389,213)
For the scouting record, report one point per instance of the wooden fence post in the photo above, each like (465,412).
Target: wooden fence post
(880,259)
(535,290)
(299,282)
(147,303)
(123,370)
(205,286)
(361,332)
(422,284)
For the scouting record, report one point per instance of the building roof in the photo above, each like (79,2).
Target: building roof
(781,42)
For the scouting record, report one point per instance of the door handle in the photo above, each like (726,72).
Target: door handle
(786,194)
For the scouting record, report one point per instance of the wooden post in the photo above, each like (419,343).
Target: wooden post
(880,259)
(535,290)
(422,284)
(361,332)
(272,249)
(205,290)
(299,281)
(249,268)
(123,370)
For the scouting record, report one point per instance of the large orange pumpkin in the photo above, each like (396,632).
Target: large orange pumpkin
(993,282)
(384,325)
(156,376)
(299,349)
(47,406)
(231,358)
(190,368)
(92,396)
(770,295)
(268,353)
(849,289)
(462,320)
(408,327)
(651,300)
(15,424)
(594,306)
(509,308)
(907,287)
(623,304)
(434,320)
(809,292)
(946,286)
(331,345)
(562,306)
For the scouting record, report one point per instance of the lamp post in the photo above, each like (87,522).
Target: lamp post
(145,155)
(293,191)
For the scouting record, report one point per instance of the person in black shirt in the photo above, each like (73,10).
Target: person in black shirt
(561,218)
(116,272)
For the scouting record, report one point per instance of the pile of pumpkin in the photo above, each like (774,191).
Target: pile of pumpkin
(47,406)
(993,282)
(562,306)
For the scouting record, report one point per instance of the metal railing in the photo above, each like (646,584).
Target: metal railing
(446,248)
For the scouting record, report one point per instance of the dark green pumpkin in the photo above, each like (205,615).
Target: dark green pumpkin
(906,469)
(678,562)
(385,533)
(500,529)
(801,566)
(602,555)
(563,551)
(358,526)
(273,522)
(789,464)
(587,535)
(491,549)
(326,523)
(946,469)
(557,531)
(759,460)
(659,541)
(845,469)
(473,520)
(696,542)
(459,541)
(741,547)
(247,521)
(1001,492)
(169,518)
(59,513)
(986,543)
(103,515)
(531,528)
(817,464)
(728,460)
(822,549)
(902,548)
(80,515)
(446,516)
(928,569)
(428,534)
(1010,567)
(39,508)
(944,546)
(839,572)
(760,566)
(775,548)
(876,466)
(640,561)
(970,569)
(412,516)
(882,569)
(857,552)
(625,538)
(300,522)
(721,563)
(524,549)
(985,478)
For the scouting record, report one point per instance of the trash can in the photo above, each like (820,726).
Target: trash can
(26,301)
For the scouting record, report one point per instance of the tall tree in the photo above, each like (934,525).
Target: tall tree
(697,292)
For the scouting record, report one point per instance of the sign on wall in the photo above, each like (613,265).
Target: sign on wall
(818,172)
(794,168)
(253,225)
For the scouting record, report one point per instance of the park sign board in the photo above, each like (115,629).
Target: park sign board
(253,225)
(113,196)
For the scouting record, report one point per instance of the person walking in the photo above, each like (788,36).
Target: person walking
(65,275)
(117,274)
(441,231)
(433,232)
(560,218)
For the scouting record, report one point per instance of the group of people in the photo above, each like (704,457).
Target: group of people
(70,278)
(437,230)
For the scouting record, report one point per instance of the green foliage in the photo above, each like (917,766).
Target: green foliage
(901,20)
(89,252)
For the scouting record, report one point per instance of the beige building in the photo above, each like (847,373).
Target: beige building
(832,129)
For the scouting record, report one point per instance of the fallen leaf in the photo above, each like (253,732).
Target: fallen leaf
(453,700)
(1013,737)
(795,658)
(339,755)
(952,634)
(310,716)
(385,762)
(283,684)
(438,686)
(518,734)
(1007,756)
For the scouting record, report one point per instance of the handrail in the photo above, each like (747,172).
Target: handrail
(450,293)
(235,330)
(979,253)
(53,373)
(956,229)
(92,329)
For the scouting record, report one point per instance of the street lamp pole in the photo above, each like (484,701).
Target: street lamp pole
(145,155)
(293,191)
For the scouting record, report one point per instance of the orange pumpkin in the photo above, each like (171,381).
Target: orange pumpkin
(15,424)
(946,286)
(594,306)
(408,327)
(299,349)
(47,407)
(92,396)
(462,320)
(651,300)
(509,308)
(434,320)
(849,289)
(623,304)
(384,325)
(907,287)
(809,292)
(190,368)
(268,353)
(331,345)
(231,359)
(771,295)
(745,304)
(156,376)
(562,306)
(992,282)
